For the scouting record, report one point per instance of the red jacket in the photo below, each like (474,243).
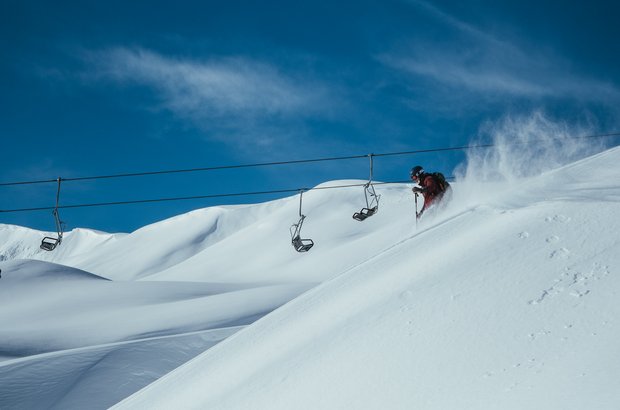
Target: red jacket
(431,190)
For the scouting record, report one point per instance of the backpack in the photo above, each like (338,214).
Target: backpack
(440,179)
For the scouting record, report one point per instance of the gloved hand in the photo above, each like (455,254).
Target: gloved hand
(417,189)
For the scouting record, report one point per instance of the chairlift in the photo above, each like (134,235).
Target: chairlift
(50,243)
(300,245)
(372,206)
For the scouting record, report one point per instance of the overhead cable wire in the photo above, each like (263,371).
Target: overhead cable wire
(178,171)
(275,163)
(185,198)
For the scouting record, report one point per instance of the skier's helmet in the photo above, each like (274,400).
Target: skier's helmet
(416,172)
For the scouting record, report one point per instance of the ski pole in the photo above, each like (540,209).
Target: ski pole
(416,210)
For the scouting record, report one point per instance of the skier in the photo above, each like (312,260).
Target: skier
(433,187)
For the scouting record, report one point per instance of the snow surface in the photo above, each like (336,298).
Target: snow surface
(504,299)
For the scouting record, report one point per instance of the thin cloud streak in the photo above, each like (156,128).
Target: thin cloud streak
(215,88)
(458,74)
(238,101)
(478,62)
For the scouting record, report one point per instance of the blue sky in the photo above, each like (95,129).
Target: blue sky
(98,88)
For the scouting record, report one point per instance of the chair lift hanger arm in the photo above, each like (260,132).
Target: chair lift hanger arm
(50,243)
(372,206)
(300,245)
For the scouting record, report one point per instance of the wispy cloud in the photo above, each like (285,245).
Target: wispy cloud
(233,93)
(471,60)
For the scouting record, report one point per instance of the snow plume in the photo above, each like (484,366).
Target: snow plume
(527,146)
(522,147)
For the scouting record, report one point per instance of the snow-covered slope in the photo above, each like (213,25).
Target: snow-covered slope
(502,300)
(50,307)
(509,304)
(85,338)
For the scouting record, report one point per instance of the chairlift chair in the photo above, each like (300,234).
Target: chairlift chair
(50,243)
(369,210)
(300,245)
(372,206)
